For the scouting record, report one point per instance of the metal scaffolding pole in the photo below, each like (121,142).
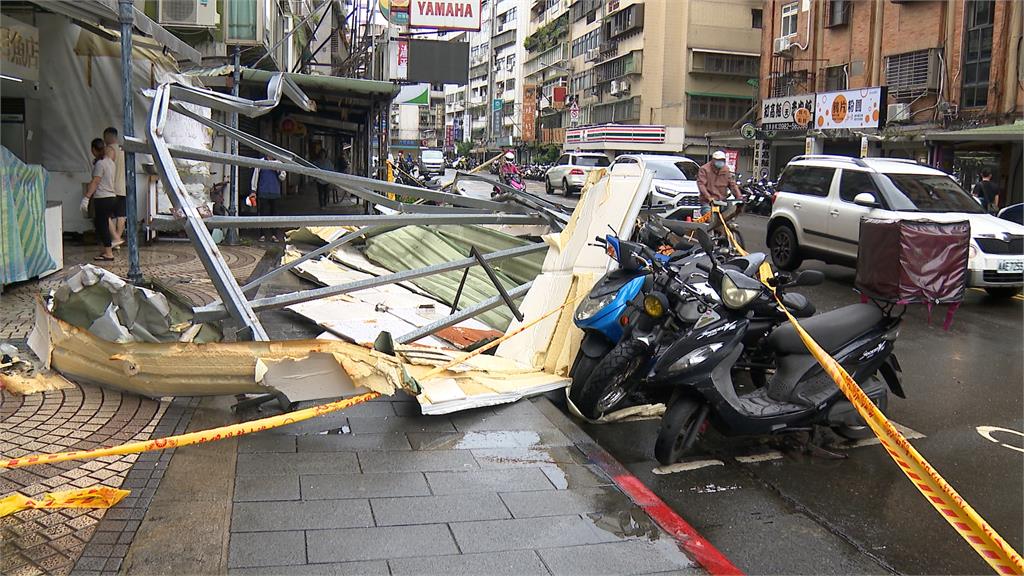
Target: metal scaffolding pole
(236,77)
(126,12)
(475,310)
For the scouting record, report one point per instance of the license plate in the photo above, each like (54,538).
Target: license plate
(1011,266)
(696,213)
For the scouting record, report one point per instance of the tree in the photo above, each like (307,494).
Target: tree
(463,148)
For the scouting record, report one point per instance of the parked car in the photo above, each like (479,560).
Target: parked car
(820,200)
(432,163)
(570,171)
(1013,213)
(675,179)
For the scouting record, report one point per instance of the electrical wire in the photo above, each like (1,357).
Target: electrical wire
(286,36)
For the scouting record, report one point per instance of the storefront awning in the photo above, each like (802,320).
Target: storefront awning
(1003,133)
(335,85)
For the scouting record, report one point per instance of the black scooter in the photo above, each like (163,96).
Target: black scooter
(699,367)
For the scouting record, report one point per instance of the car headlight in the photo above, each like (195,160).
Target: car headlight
(592,306)
(665,191)
(735,297)
(695,357)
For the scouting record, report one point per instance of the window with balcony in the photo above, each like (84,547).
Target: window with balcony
(837,13)
(714,108)
(790,12)
(978,22)
(629,19)
(590,40)
(727,64)
(835,78)
(631,63)
(621,112)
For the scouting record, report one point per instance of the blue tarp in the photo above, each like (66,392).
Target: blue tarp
(23,252)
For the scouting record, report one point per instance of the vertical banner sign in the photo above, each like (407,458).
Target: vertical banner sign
(732,157)
(863,146)
(809,145)
(529,113)
(558,96)
(398,56)
(445,14)
(449,136)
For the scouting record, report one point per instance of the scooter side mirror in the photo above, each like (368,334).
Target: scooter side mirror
(808,278)
(705,242)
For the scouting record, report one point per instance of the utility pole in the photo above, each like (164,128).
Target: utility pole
(236,79)
(126,13)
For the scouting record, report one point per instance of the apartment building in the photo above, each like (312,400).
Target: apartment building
(951,71)
(685,68)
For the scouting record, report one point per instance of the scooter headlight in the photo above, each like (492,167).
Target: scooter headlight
(695,357)
(735,297)
(591,306)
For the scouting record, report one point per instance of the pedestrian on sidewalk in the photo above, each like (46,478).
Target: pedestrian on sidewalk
(987,192)
(267,184)
(100,193)
(116,153)
(715,181)
(323,188)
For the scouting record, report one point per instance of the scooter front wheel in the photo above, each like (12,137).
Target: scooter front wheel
(680,426)
(610,381)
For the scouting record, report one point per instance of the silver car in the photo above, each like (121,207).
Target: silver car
(675,181)
(570,171)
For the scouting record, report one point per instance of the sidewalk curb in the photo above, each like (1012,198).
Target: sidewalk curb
(690,541)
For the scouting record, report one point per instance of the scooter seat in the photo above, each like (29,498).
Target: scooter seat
(830,330)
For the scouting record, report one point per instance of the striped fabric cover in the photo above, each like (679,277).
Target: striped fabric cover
(23,252)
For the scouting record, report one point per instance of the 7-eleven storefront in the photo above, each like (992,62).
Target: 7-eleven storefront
(615,139)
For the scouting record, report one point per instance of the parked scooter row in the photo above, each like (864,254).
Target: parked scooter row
(535,171)
(759,195)
(686,329)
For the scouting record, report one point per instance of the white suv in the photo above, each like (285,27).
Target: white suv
(570,171)
(674,184)
(821,199)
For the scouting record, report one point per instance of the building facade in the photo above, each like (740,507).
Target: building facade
(945,66)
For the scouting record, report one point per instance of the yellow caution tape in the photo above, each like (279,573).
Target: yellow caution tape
(967,522)
(96,497)
(191,438)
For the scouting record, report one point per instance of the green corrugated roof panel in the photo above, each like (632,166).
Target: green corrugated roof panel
(1002,133)
(412,247)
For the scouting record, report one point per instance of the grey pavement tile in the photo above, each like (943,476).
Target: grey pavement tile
(370,409)
(363,425)
(514,563)
(628,557)
(352,442)
(488,481)
(379,543)
(292,515)
(527,533)
(434,509)
(333,486)
(518,457)
(416,461)
(561,502)
(266,549)
(485,420)
(369,568)
(278,463)
(251,488)
(266,443)
(571,476)
(483,439)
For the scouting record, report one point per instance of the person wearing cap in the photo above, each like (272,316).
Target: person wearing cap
(715,181)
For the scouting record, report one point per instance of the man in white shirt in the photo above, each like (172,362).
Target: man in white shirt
(102,196)
(116,153)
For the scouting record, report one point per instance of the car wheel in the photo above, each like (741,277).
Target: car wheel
(548,188)
(784,248)
(565,187)
(1003,292)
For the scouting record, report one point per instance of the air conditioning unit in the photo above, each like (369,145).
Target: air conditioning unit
(898,112)
(592,55)
(781,45)
(188,13)
(624,86)
(615,88)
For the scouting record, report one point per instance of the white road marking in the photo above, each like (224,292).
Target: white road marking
(986,433)
(763,457)
(711,488)
(685,466)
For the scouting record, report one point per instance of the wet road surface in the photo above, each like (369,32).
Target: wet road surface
(772,509)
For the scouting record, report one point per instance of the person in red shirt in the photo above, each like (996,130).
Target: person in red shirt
(715,181)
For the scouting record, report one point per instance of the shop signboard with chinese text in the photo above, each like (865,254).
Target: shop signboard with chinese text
(529,133)
(788,112)
(851,109)
(19,49)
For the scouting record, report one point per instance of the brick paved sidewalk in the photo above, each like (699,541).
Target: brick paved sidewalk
(84,417)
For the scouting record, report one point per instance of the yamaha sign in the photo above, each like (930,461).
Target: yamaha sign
(445,14)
